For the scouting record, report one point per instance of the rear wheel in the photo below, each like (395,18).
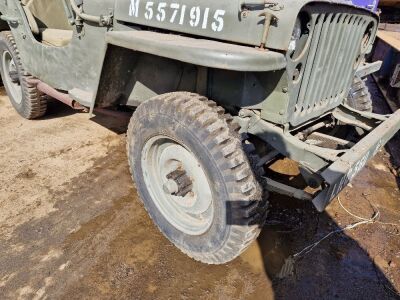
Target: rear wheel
(25,97)
(193,172)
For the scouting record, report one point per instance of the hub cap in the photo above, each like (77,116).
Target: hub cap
(178,185)
(11,77)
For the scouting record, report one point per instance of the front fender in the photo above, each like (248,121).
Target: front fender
(206,53)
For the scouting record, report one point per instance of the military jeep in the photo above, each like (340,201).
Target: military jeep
(285,79)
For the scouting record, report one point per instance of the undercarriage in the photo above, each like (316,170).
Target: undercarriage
(327,162)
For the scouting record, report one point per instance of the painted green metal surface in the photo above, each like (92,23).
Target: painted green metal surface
(79,65)
(329,61)
(199,52)
(223,20)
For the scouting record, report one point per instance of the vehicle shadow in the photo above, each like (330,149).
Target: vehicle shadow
(116,121)
(338,267)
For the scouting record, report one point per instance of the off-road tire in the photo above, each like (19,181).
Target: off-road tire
(226,156)
(34,103)
(359,96)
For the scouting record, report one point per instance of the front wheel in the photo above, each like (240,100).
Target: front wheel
(359,96)
(193,173)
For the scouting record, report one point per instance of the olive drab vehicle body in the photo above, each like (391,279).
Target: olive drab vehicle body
(287,73)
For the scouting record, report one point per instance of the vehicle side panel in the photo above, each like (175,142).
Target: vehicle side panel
(77,65)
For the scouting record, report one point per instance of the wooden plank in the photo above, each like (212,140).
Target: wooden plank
(389,27)
(391,38)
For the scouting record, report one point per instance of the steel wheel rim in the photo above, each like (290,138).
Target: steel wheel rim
(177,185)
(14,87)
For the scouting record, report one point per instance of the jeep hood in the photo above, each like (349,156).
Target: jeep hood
(219,19)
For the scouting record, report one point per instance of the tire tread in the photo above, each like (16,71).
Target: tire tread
(359,96)
(34,102)
(241,180)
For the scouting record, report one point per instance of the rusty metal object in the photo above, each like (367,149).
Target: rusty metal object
(52,92)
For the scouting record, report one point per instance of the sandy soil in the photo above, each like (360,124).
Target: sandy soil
(72,227)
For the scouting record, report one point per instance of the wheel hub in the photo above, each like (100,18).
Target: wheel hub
(178,185)
(171,187)
(14,76)
(12,79)
(13,72)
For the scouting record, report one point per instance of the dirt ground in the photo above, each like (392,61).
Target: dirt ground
(72,227)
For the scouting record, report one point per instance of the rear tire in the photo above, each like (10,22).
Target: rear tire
(185,124)
(27,100)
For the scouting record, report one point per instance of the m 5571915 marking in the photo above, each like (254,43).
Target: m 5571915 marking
(284,79)
(195,16)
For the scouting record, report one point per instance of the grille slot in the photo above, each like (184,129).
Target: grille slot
(333,48)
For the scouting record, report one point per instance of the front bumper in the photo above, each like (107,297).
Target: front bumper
(332,168)
(343,170)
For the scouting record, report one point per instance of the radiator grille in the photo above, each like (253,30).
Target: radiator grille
(333,49)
